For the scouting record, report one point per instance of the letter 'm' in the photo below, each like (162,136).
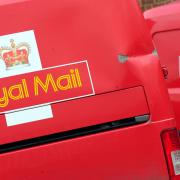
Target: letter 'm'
(45,86)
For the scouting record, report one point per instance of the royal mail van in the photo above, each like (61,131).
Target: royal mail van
(82,96)
(164,23)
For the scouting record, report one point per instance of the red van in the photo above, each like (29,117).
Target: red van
(165,30)
(82,96)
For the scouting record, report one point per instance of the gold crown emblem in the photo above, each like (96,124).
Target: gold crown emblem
(15,55)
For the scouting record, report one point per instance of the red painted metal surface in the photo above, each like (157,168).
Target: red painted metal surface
(78,113)
(166,36)
(130,153)
(96,31)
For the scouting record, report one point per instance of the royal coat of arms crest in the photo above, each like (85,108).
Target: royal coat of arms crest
(15,55)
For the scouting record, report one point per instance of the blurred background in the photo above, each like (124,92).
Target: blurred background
(148,4)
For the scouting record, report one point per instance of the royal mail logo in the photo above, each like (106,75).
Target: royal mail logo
(45,87)
(24,84)
(15,55)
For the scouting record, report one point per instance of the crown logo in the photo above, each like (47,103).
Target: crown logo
(15,55)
